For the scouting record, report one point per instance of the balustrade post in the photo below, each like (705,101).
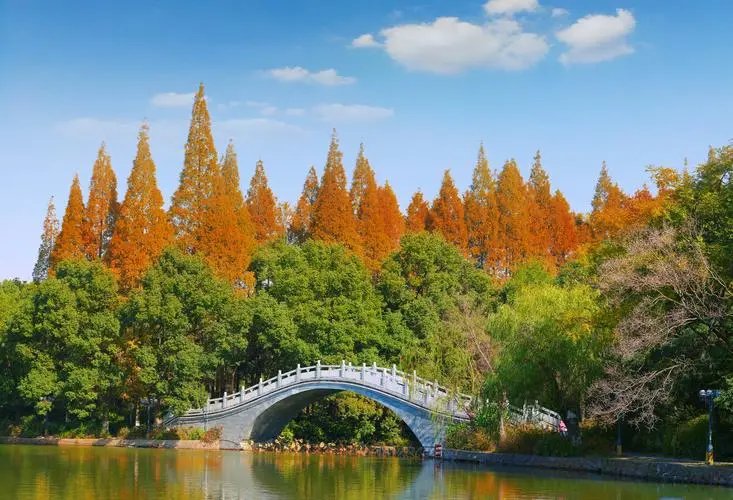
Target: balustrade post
(318,369)
(363,371)
(241,394)
(381,379)
(374,367)
(414,384)
(297,373)
(224,400)
(394,371)
(279,377)
(259,387)
(342,370)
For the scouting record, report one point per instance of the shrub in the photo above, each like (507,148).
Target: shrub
(211,435)
(123,432)
(468,437)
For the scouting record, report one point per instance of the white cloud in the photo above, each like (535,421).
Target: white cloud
(172,100)
(365,41)
(351,112)
(449,45)
(295,111)
(596,38)
(328,77)
(559,12)
(256,104)
(509,7)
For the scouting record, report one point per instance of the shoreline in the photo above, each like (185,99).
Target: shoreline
(656,469)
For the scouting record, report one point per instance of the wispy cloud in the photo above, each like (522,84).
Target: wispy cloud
(298,74)
(598,37)
(559,12)
(172,100)
(337,112)
(509,7)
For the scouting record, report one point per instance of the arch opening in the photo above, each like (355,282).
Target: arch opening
(334,415)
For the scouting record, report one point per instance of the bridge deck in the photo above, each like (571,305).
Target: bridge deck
(429,395)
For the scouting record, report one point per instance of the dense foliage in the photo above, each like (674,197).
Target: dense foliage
(622,314)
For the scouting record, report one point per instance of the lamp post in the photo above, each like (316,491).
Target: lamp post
(708,397)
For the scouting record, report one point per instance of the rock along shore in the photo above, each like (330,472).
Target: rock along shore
(646,468)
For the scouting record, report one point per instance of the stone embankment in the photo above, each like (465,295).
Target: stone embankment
(646,468)
(115,442)
(296,446)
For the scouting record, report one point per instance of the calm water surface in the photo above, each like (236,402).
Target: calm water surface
(97,473)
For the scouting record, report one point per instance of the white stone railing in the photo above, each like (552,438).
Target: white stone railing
(408,387)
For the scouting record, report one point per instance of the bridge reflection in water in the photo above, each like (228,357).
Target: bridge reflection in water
(31,472)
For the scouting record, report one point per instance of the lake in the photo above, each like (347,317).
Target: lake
(96,473)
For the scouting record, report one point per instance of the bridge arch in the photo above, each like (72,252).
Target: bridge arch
(260,412)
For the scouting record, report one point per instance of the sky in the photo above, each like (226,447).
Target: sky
(421,84)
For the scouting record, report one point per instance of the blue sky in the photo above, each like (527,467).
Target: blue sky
(632,82)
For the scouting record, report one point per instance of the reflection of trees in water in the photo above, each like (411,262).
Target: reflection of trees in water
(79,473)
(333,476)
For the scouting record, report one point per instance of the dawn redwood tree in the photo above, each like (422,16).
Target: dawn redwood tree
(302,218)
(102,207)
(70,242)
(514,234)
(418,211)
(48,240)
(393,221)
(230,173)
(609,215)
(333,217)
(142,230)
(196,188)
(540,197)
(262,207)
(203,213)
(482,216)
(360,180)
(564,240)
(369,218)
(447,215)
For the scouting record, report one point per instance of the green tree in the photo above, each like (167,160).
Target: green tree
(65,341)
(185,332)
(440,298)
(550,344)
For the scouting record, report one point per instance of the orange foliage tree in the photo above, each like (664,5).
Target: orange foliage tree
(369,219)
(142,230)
(418,212)
(333,216)
(514,219)
(609,215)
(564,237)
(447,216)
(263,207)
(393,221)
(70,241)
(230,173)
(540,198)
(197,180)
(102,207)
(482,216)
(302,218)
(203,212)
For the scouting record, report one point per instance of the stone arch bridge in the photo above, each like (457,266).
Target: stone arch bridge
(260,412)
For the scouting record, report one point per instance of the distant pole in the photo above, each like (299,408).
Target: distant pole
(708,397)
